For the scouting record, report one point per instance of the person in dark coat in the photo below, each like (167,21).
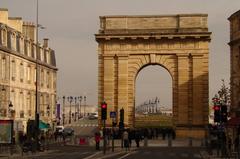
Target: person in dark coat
(137,137)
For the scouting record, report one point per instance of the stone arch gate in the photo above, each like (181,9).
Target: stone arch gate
(179,43)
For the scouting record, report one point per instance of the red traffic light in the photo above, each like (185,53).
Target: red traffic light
(104,106)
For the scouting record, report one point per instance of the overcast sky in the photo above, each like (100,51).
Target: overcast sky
(71,25)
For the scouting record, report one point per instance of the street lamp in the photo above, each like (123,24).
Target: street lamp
(70,99)
(63,113)
(75,113)
(79,109)
(84,111)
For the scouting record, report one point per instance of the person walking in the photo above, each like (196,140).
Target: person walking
(97,140)
(137,137)
(125,140)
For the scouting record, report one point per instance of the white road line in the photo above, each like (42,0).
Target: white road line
(91,156)
(130,153)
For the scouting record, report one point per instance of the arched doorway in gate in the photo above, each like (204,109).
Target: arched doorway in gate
(179,43)
(153,98)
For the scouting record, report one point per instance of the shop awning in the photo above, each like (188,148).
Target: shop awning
(43,125)
(233,122)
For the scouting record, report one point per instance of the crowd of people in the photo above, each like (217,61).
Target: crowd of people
(137,135)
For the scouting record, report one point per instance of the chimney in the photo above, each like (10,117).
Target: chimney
(29,30)
(4,16)
(45,42)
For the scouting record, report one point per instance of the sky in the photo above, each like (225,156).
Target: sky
(71,25)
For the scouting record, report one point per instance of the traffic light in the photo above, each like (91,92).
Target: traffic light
(104,110)
(224,113)
(217,113)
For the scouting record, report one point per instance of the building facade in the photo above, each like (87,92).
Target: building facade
(19,59)
(234,44)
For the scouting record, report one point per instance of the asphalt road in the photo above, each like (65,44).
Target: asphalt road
(163,152)
(64,152)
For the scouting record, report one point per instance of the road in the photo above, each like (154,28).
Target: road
(162,152)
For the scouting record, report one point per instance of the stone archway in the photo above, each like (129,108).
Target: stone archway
(178,43)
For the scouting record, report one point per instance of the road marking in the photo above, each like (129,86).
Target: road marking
(128,154)
(91,156)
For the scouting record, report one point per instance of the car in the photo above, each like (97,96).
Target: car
(59,129)
(92,117)
(68,131)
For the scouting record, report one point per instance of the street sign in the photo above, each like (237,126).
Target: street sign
(113,114)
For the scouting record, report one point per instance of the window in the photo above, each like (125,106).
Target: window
(3,68)
(42,77)
(12,98)
(13,70)
(9,40)
(21,44)
(29,104)
(41,54)
(17,44)
(21,105)
(29,74)
(4,37)
(48,79)
(33,48)
(21,72)
(26,47)
(13,41)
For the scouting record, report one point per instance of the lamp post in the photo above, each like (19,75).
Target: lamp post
(36,93)
(79,108)
(75,113)
(63,113)
(70,99)
(84,111)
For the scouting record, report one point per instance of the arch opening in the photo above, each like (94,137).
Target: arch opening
(153,97)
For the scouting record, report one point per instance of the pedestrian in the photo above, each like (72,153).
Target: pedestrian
(125,140)
(137,137)
(97,140)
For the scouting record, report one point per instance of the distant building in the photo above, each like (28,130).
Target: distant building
(234,44)
(18,57)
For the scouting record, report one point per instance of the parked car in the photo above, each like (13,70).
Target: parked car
(68,131)
(92,117)
(59,129)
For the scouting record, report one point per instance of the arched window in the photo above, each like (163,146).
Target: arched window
(4,37)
